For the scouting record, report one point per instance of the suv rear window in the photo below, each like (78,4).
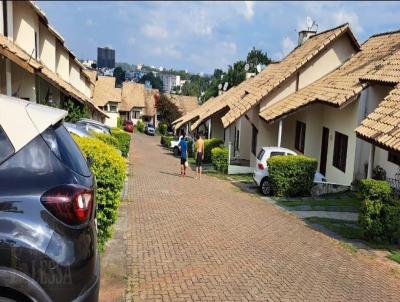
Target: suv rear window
(6,148)
(261,154)
(277,153)
(64,147)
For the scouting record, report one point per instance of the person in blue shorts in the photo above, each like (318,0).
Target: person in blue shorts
(184,154)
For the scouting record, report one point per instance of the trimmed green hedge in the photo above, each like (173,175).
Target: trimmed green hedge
(109,169)
(375,189)
(123,139)
(292,175)
(162,128)
(108,139)
(140,126)
(166,141)
(210,144)
(379,215)
(219,158)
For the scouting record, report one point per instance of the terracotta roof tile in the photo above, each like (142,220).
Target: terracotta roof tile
(382,126)
(184,103)
(241,98)
(341,85)
(105,91)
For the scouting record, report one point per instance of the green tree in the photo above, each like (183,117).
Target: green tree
(119,75)
(155,82)
(168,111)
(255,57)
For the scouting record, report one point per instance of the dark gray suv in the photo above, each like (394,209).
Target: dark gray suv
(48,238)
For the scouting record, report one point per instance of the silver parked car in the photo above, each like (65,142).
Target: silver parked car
(77,130)
(92,125)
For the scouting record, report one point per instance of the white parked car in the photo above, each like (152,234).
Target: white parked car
(260,175)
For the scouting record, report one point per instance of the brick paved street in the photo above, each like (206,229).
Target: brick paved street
(205,241)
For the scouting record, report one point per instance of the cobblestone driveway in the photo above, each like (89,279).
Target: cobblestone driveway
(202,240)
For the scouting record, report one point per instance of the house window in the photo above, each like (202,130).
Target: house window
(112,108)
(5,19)
(340,151)
(300,136)
(254,134)
(36,45)
(135,114)
(394,157)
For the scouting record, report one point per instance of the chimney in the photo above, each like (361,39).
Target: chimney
(304,35)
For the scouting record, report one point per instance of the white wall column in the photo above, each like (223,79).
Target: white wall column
(371,159)
(10,20)
(8,78)
(280,133)
(187,128)
(209,128)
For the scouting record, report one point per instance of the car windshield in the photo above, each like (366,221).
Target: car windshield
(150,126)
(64,147)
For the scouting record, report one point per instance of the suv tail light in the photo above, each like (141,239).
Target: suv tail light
(260,166)
(72,204)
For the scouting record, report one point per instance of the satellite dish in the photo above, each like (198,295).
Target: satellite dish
(310,22)
(225,86)
(247,67)
(258,68)
(220,86)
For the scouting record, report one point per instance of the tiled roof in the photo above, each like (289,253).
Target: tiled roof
(184,103)
(382,126)
(150,101)
(387,70)
(136,95)
(105,91)
(342,85)
(250,92)
(25,61)
(132,96)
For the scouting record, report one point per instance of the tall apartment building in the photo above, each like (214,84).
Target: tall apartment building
(170,81)
(105,57)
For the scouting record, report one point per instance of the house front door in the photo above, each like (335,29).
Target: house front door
(324,150)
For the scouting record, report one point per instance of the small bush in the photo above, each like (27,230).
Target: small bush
(375,189)
(119,122)
(292,175)
(219,158)
(108,139)
(190,147)
(123,139)
(109,169)
(140,126)
(166,141)
(210,144)
(379,215)
(162,128)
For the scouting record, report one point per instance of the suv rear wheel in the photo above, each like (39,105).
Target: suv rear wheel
(176,151)
(265,187)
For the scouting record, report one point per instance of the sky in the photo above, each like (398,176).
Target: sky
(202,36)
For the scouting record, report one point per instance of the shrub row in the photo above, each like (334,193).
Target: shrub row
(219,158)
(162,128)
(123,140)
(291,175)
(379,215)
(140,126)
(108,139)
(166,141)
(109,169)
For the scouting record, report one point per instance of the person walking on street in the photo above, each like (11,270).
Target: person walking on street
(199,155)
(184,154)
